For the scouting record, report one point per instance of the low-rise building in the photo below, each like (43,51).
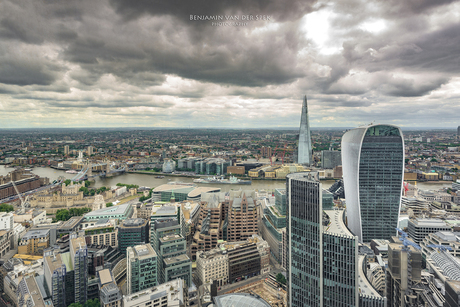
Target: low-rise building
(170,294)
(34,242)
(6,221)
(419,228)
(109,293)
(212,265)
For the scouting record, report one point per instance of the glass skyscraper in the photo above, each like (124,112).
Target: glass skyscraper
(322,268)
(373,172)
(304,154)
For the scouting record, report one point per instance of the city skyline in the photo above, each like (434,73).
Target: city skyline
(115,64)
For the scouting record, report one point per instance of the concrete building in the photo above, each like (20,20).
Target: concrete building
(452,295)
(212,265)
(34,216)
(304,155)
(242,215)
(211,225)
(5,242)
(240,299)
(103,232)
(373,170)
(34,242)
(141,270)
(444,238)
(132,232)
(170,294)
(109,293)
(404,270)
(6,220)
(419,228)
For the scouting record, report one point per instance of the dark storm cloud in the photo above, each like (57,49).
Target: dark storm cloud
(26,72)
(280,10)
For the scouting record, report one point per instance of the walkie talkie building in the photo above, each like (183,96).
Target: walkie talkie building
(373,172)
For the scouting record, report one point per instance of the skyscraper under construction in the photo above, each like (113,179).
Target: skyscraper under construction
(304,154)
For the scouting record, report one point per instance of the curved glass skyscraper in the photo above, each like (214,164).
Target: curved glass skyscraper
(373,172)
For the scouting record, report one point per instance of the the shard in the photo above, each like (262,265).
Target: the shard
(304,153)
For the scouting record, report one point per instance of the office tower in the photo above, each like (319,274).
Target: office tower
(79,255)
(373,170)
(304,151)
(171,249)
(141,271)
(322,268)
(404,270)
(242,215)
(66,150)
(132,232)
(89,151)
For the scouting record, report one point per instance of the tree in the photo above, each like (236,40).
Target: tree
(85,191)
(75,305)
(280,278)
(92,303)
(434,160)
(67,182)
(6,208)
(87,183)
(109,205)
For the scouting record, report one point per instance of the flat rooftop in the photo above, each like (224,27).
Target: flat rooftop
(176,259)
(34,234)
(201,190)
(105,276)
(114,210)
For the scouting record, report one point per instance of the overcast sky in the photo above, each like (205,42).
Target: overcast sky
(150,63)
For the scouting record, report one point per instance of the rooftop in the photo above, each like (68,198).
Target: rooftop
(164,210)
(133,222)
(173,289)
(180,188)
(34,234)
(199,191)
(240,300)
(176,259)
(115,210)
(105,276)
(336,224)
(365,286)
(429,223)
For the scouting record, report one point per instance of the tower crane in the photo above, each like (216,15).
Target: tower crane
(23,202)
(406,242)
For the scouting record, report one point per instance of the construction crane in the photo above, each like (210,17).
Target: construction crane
(406,242)
(23,202)
(442,248)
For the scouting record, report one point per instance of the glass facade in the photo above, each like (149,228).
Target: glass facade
(304,222)
(373,170)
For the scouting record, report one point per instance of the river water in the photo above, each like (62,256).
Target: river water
(152,182)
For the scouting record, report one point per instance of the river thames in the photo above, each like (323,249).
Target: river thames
(152,182)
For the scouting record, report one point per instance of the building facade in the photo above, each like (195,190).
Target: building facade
(132,232)
(322,264)
(373,170)
(141,268)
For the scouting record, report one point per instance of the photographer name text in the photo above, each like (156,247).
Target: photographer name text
(230,17)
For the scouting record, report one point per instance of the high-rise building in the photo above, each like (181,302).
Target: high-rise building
(458,132)
(322,268)
(304,154)
(79,255)
(66,150)
(90,150)
(242,215)
(170,246)
(141,271)
(373,171)
(132,232)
